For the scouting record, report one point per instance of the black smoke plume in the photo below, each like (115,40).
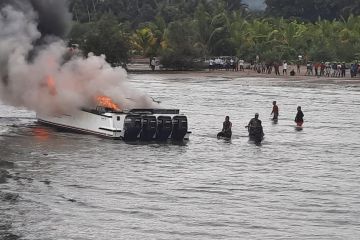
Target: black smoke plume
(33,73)
(53,15)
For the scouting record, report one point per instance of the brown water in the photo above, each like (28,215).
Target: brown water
(295,185)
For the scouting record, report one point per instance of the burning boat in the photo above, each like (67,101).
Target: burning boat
(109,120)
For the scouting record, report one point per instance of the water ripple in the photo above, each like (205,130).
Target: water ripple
(295,185)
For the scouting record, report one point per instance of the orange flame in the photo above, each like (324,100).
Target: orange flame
(107,102)
(41,134)
(50,82)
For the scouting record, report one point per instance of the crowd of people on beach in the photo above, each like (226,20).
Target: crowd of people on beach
(328,69)
(226,63)
(254,126)
(319,69)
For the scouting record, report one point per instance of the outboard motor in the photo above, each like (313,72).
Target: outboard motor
(132,127)
(148,128)
(164,128)
(179,127)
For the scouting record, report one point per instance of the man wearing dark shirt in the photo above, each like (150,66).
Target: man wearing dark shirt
(299,119)
(226,130)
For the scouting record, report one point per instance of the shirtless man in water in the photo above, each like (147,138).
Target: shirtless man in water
(275,111)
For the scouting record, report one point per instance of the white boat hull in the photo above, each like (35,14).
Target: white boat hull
(120,125)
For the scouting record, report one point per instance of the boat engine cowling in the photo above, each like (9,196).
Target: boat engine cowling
(179,127)
(164,128)
(132,127)
(148,128)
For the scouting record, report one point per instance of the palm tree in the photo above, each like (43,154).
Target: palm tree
(144,41)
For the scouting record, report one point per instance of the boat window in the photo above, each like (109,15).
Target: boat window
(118,118)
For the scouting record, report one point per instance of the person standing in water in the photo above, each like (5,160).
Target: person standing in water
(226,130)
(255,128)
(255,122)
(299,119)
(275,111)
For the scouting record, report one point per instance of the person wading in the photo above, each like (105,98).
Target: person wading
(275,111)
(299,119)
(226,130)
(255,128)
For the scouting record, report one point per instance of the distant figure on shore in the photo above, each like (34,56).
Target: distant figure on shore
(152,63)
(328,69)
(241,65)
(316,67)
(275,111)
(276,68)
(299,119)
(285,65)
(343,70)
(309,69)
(226,130)
(292,72)
(322,69)
(211,64)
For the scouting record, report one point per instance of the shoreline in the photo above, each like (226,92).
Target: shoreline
(251,74)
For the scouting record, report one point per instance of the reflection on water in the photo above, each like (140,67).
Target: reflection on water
(295,185)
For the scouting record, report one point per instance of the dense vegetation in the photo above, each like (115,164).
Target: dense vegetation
(180,31)
(311,10)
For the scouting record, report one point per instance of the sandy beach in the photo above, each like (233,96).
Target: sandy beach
(248,73)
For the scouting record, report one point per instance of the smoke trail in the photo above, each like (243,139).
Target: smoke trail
(54,18)
(37,77)
(258,5)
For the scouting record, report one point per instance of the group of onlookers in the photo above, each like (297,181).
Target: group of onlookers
(326,69)
(334,69)
(226,63)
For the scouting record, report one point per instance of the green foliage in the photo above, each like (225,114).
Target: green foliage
(312,10)
(144,42)
(105,36)
(179,32)
(179,51)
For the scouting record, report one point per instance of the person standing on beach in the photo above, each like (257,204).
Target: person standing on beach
(298,67)
(275,111)
(152,63)
(276,67)
(343,70)
(211,64)
(316,66)
(327,69)
(322,69)
(241,65)
(285,68)
(308,69)
(338,70)
(299,119)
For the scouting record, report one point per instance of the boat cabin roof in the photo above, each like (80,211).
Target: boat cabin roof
(141,111)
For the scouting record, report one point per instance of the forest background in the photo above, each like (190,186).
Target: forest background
(180,32)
